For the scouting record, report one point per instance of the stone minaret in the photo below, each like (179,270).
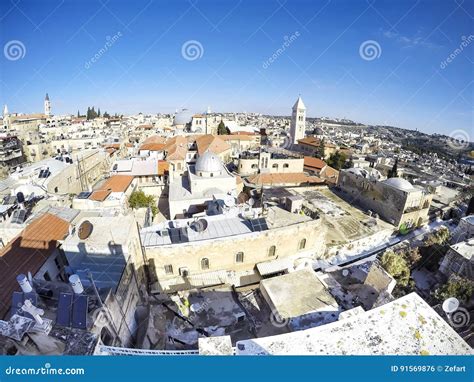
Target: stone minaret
(298,121)
(47,105)
(6,117)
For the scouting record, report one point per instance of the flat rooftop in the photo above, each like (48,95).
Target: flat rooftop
(345,222)
(407,326)
(465,248)
(218,226)
(297,293)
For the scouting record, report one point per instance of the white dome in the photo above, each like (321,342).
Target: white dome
(399,183)
(183,117)
(208,162)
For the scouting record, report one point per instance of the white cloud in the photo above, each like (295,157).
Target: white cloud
(414,41)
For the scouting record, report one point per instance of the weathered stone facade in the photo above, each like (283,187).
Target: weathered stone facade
(297,241)
(397,205)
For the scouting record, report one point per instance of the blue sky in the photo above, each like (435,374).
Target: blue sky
(407,83)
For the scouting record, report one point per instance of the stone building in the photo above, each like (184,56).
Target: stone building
(298,121)
(230,250)
(459,260)
(395,200)
(204,181)
(269,162)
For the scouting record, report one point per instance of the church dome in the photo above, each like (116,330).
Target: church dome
(399,183)
(182,117)
(208,163)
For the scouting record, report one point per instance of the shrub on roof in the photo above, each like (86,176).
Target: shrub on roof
(138,199)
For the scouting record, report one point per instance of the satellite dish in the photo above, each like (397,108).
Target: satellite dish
(345,272)
(251,202)
(199,225)
(85,230)
(450,305)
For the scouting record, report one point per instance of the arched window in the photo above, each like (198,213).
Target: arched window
(275,165)
(239,257)
(302,244)
(204,263)
(271,251)
(286,165)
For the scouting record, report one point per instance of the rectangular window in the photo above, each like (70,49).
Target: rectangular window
(169,269)
(239,257)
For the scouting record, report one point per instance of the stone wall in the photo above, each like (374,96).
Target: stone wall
(221,253)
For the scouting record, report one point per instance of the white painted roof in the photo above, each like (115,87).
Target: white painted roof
(407,326)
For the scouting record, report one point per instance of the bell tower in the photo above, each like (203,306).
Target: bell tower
(47,105)
(298,121)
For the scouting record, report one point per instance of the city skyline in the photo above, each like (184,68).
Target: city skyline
(372,62)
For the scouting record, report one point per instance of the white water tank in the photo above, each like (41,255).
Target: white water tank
(24,283)
(76,284)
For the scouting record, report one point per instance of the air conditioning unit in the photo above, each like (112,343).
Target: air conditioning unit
(184,272)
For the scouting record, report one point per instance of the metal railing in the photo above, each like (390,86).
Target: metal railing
(114,350)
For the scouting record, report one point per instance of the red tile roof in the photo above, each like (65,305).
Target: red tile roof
(314,163)
(116,183)
(153,146)
(27,253)
(100,195)
(212,143)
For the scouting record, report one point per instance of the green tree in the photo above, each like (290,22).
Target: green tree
(336,160)
(393,173)
(78,114)
(106,115)
(460,288)
(88,115)
(438,237)
(320,150)
(98,112)
(348,164)
(221,129)
(396,265)
(413,256)
(138,199)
